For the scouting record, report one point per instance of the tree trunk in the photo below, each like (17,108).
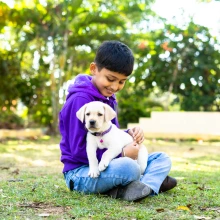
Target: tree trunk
(170,90)
(54,101)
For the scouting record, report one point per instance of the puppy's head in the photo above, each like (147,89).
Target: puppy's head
(95,114)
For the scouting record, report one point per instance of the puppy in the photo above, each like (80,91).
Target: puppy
(103,134)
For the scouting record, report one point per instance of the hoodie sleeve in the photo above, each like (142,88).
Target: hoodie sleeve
(73,142)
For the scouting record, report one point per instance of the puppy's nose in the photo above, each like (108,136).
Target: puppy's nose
(92,122)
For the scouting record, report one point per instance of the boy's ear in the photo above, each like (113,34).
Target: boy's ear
(109,113)
(92,68)
(80,114)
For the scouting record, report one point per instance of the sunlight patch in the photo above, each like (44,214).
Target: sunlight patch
(39,163)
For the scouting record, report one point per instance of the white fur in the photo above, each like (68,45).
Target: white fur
(101,114)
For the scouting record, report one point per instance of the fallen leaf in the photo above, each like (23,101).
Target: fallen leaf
(217,209)
(56,186)
(16,172)
(183,208)
(44,215)
(204,188)
(34,187)
(201,188)
(203,208)
(15,180)
(189,205)
(201,217)
(4,168)
(160,210)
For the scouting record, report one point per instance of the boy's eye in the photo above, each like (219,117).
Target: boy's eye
(122,82)
(110,80)
(87,114)
(99,114)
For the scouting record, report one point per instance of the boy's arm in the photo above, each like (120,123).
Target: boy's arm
(76,129)
(131,150)
(137,134)
(73,132)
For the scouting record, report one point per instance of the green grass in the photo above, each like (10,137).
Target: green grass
(32,185)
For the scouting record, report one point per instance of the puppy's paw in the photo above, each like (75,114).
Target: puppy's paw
(94,172)
(103,165)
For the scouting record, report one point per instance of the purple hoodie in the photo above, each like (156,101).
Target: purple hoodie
(73,131)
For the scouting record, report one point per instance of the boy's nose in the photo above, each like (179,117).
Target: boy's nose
(114,87)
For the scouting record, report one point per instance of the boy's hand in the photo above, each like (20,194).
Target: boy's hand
(131,150)
(137,134)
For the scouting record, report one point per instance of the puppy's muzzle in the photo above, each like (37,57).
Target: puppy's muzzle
(92,123)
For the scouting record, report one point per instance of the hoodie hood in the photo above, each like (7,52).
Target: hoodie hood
(83,83)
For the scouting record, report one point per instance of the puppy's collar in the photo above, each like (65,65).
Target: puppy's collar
(102,133)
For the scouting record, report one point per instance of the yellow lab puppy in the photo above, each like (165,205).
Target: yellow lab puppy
(103,134)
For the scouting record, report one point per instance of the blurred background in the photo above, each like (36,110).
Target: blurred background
(44,44)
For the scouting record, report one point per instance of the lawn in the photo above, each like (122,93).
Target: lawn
(32,185)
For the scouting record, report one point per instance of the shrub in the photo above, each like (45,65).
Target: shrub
(9,120)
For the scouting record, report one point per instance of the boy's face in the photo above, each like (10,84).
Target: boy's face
(106,81)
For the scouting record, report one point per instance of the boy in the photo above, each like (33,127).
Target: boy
(113,64)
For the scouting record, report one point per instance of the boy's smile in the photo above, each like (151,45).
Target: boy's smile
(106,81)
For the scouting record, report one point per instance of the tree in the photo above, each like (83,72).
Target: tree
(184,62)
(57,40)
(52,42)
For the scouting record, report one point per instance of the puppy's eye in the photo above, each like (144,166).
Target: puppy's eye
(99,114)
(87,114)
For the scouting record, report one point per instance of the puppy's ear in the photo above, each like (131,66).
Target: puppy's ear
(80,114)
(109,113)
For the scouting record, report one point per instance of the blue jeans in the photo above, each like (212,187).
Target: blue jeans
(121,171)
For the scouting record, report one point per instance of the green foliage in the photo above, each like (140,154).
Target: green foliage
(56,41)
(10,77)
(43,45)
(131,105)
(9,120)
(184,62)
(4,12)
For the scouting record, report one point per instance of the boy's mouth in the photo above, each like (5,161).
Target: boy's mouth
(110,91)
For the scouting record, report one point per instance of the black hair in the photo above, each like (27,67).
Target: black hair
(115,56)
